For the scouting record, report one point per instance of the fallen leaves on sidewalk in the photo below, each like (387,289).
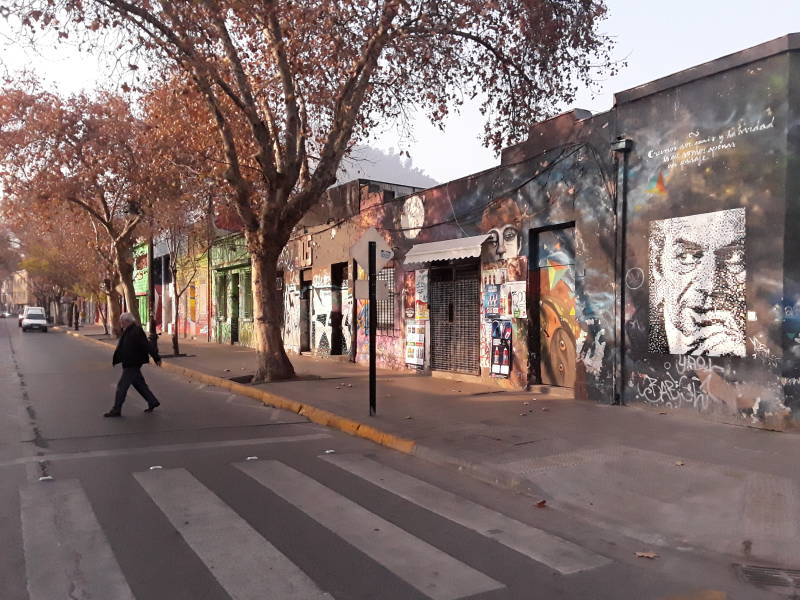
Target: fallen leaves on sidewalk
(650,555)
(541,504)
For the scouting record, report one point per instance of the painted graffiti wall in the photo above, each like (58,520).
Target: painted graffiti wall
(705,243)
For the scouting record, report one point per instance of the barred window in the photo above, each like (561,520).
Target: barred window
(247,295)
(385,325)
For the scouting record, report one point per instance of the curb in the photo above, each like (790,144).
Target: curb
(312,413)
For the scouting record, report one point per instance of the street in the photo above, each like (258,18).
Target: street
(215,496)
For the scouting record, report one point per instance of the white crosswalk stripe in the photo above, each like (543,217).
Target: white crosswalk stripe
(66,553)
(431,571)
(246,565)
(555,552)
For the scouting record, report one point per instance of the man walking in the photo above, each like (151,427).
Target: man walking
(133,351)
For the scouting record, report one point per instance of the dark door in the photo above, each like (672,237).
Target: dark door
(553,285)
(235,308)
(305,310)
(455,318)
(338,282)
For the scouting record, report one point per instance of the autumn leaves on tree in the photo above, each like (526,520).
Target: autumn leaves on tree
(267,97)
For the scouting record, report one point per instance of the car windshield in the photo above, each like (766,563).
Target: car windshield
(36,317)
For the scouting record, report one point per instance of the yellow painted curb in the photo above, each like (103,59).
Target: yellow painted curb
(312,413)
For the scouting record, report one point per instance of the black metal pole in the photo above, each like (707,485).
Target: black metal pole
(373,318)
(151,291)
(621,146)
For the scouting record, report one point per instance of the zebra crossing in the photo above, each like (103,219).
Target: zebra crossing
(67,554)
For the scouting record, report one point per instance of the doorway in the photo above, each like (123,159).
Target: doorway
(338,280)
(305,310)
(552,285)
(235,308)
(455,318)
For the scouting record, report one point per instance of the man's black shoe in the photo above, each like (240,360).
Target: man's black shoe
(152,407)
(113,413)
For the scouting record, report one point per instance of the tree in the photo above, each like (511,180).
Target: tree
(290,86)
(79,152)
(9,253)
(53,243)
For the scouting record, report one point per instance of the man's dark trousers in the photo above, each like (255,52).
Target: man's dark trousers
(132,376)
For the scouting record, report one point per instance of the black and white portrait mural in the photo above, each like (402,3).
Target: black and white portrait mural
(697,284)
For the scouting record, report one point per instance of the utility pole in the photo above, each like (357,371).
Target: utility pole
(151,325)
(373,318)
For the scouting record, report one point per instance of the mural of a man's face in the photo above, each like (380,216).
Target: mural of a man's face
(507,241)
(698,279)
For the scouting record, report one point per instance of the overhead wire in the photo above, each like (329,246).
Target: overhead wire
(546,170)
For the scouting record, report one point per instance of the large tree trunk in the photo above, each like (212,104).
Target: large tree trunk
(103,317)
(273,363)
(114,310)
(125,271)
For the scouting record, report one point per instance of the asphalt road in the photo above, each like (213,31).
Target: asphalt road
(214,496)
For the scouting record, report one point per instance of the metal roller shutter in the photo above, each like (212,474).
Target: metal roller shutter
(455,318)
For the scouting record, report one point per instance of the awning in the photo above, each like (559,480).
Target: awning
(468,247)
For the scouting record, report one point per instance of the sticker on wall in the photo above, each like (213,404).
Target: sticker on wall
(491,301)
(421,295)
(486,345)
(697,284)
(415,343)
(501,348)
(516,299)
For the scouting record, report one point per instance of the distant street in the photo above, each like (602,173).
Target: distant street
(215,496)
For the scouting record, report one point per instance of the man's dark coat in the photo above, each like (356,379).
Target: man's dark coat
(133,349)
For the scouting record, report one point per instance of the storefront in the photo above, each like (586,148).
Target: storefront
(232,291)
(141,281)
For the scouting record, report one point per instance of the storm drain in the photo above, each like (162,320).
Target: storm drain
(783,581)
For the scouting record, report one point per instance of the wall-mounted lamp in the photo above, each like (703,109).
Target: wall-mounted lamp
(622,144)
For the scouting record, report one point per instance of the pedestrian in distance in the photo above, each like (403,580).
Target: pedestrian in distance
(133,350)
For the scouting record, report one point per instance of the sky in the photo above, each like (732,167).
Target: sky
(655,38)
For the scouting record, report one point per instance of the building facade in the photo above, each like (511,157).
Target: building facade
(644,255)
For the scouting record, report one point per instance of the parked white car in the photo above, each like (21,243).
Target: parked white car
(34,317)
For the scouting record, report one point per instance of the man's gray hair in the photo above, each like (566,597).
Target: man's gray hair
(127,317)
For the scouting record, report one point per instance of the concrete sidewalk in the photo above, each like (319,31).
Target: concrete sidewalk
(669,480)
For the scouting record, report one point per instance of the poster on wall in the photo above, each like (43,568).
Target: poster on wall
(421,295)
(415,344)
(491,301)
(516,305)
(409,292)
(501,348)
(697,284)
(486,345)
